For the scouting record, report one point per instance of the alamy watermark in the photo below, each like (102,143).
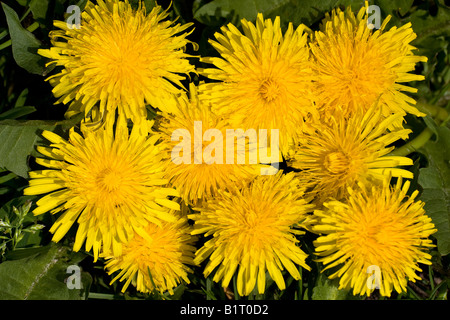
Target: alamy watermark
(373,17)
(250,142)
(374,280)
(74,280)
(74,20)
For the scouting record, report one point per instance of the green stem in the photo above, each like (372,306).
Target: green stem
(95,295)
(300,285)
(439,114)
(414,144)
(3,34)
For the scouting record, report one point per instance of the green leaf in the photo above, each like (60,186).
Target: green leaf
(20,102)
(425,25)
(391,6)
(23,3)
(39,9)
(17,112)
(18,142)
(435,181)
(326,289)
(235,10)
(298,12)
(24,44)
(23,253)
(432,125)
(42,276)
(19,139)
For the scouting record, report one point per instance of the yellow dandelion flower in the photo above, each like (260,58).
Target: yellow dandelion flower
(347,151)
(157,259)
(264,77)
(109,182)
(205,162)
(119,58)
(378,229)
(355,67)
(253,229)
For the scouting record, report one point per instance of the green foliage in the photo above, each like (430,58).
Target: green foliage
(14,226)
(42,276)
(326,289)
(238,9)
(24,43)
(19,139)
(435,181)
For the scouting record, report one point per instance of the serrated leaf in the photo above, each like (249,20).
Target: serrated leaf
(18,142)
(435,181)
(213,11)
(24,44)
(19,139)
(41,277)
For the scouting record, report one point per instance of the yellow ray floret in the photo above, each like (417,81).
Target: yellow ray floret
(254,230)
(346,151)
(120,58)
(157,259)
(108,182)
(375,238)
(264,77)
(356,66)
(197,165)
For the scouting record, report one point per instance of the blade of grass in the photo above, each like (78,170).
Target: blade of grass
(300,285)
(436,290)
(95,295)
(411,291)
(430,275)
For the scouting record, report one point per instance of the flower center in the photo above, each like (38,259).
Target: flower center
(336,162)
(109,180)
(362,75)
(269,90)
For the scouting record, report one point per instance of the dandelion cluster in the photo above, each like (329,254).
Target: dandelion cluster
(335,97)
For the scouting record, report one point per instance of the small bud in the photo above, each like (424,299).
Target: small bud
(4,224)
(36,227)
